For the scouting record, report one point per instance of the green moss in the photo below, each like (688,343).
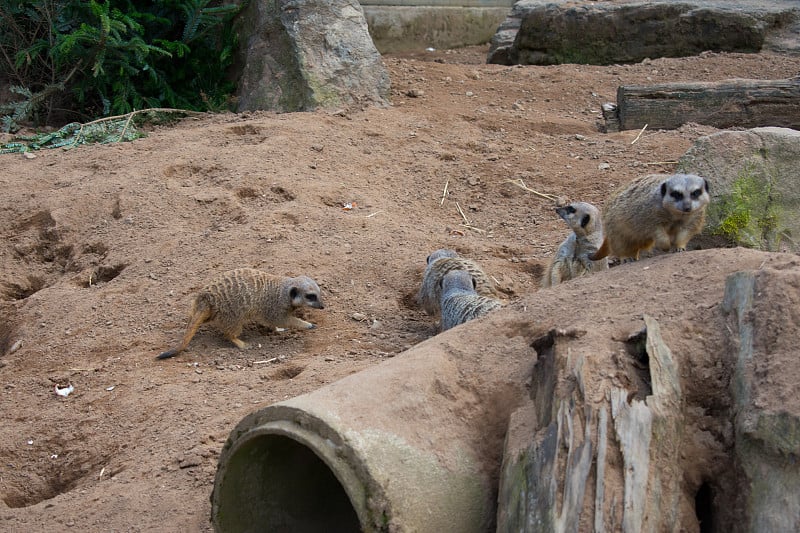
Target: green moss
(750,215)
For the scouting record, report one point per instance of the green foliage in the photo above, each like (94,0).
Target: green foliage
(750,214)
(100,131)
(106,57)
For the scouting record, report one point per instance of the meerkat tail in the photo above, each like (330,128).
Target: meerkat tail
(602,252)
(197,319)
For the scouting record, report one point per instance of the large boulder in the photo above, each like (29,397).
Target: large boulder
(755,187)
(539,32)
(299,55)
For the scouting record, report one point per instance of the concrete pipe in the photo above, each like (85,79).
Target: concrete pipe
(413,444)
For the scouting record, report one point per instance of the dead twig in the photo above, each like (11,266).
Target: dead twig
(466,223)
(444,193)
(640,134)
(521,184)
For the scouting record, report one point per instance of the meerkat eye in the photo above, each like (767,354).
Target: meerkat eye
(570,209)
(311,297)
(696,193)
(585,220)
(676,195)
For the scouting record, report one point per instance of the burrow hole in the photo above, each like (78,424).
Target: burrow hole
(638,366)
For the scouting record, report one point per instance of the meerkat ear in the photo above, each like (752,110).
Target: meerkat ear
(474,283)
(664,189)
(705,182)
(293,292)
(428,259)
(585,220)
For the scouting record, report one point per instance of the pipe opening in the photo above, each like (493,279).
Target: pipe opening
(275,483)
(704,507)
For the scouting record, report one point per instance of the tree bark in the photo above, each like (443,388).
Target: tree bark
(730,103)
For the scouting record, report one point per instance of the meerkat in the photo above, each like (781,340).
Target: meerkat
(659,210)
(242,296)
(572,257)
(460,301)
(440,263)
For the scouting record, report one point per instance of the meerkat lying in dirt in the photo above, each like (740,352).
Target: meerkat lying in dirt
(242,296)
(440,263)
(659,210)
(572,257)
(460,302)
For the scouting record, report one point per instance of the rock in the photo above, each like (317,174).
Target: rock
(763,308)
(754,186)
(300,55)
(540,32)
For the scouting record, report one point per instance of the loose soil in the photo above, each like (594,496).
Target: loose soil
(104,246)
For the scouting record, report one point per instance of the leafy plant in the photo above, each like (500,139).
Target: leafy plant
(95,58)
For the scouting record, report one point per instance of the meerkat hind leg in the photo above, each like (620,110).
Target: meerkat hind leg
(233,336)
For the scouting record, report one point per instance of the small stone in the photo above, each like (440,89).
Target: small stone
(603,166)
(359,317)
(189,461)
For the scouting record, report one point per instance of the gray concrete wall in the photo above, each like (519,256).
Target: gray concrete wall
(413,25)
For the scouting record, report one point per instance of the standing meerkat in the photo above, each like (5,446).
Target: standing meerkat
(245,295)
(460,301)
(572,257)
(659,210)
(440,263)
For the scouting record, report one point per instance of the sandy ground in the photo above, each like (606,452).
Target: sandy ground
(104,246)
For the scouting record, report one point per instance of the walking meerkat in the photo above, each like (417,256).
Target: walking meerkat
(460,301)
(245,295)
(440,263)
(572,257)
(659,210)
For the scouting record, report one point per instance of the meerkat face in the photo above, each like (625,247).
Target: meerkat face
(438,254)
(581,217)
(305,292)
(458,279)
(684,193)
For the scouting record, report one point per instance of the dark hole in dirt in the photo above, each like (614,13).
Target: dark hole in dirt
(20,291)
(544,374)
(283,193)
(536,270)
(247,192)
(704,507)
(288,372)
(97,248)
(105,273)
(40,219)
(639,364)
(50,252)
(59,476)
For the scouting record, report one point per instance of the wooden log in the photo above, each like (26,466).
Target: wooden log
(731,103)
